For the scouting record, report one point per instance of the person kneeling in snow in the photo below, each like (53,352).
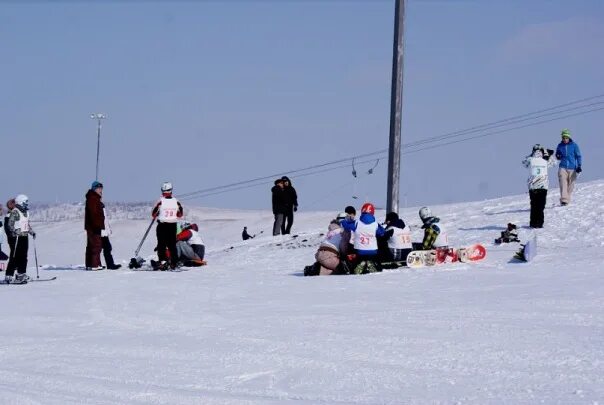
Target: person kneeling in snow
(329,254)
(396,244)
(435,235)
(365,232)
(190,246)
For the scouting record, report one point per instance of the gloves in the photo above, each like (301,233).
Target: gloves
(295,208)
(579,170)
(105,233)
(558,156)
(33,234)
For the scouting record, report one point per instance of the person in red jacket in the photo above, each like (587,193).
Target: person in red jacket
(94,223)
(190,246)
(167,211)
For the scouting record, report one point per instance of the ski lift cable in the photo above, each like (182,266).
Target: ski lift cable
(230,187)
(516,117)
(460,133)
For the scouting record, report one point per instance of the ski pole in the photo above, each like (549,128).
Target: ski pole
(31,231)
(140,245)
(36,257)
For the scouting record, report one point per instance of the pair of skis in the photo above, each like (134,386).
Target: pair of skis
(31,280)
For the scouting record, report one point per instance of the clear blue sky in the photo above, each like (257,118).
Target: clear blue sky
(209,93)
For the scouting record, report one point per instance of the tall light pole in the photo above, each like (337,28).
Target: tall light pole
(396,107)
(98,117)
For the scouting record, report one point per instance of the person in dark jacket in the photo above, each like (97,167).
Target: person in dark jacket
(245,235)
(3,256)
(569,155)
(10,205)
(291,205)
(107,248)
(94,223)
(279,205)
(396,243)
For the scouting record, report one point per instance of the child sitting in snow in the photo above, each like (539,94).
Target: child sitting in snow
(396,244)
(509,235)
(365,232)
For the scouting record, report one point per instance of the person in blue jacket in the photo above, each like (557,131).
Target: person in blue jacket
(365,231)
(569,155)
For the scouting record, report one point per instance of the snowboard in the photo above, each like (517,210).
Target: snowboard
(528,251)
(421,258)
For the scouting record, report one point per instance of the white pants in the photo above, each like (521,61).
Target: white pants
(567,178)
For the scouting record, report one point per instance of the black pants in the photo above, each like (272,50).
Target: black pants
(166,239)
(288,221)
(18,255)
(107,248)
(538,199)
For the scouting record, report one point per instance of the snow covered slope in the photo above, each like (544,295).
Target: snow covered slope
(249,329)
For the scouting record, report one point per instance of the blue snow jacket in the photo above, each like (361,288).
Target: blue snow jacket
(366,218)
(569,155)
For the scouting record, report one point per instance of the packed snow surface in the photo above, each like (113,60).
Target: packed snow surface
(249,329)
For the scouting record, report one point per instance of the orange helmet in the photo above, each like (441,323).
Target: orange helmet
(368,208)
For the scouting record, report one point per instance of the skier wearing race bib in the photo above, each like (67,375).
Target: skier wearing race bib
(167,211)
(19,230)
(397,239)
(435,235)
(538,182)
(365,231)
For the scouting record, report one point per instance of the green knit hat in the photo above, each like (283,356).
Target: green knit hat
(565,133)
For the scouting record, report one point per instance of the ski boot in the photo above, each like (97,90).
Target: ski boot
(21,278)
(8,279)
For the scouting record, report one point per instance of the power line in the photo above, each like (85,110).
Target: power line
(511,120)
(462,133)
(382,153)
(507,130)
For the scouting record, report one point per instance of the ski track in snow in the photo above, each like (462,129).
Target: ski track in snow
(249,329)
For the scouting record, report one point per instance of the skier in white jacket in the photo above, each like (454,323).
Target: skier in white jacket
(538,164)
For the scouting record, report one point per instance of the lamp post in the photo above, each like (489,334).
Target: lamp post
(98,117)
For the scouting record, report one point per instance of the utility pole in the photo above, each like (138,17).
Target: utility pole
(98,117)
(396,107)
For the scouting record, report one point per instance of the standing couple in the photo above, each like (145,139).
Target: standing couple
(285,203)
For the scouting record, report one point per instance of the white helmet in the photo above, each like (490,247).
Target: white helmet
(425,213)
(166,187)
(22,201)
